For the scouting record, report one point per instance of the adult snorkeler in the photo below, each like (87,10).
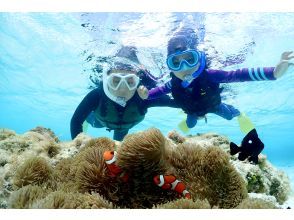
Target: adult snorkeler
(116,103)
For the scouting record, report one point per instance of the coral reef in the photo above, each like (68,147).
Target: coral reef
(6,133)
(185,204)
(256,203)
(47,132)
(39,171)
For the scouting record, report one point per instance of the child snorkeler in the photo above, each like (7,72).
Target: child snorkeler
(196,89)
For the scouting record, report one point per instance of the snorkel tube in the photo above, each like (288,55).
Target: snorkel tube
(119,100)
(189,78)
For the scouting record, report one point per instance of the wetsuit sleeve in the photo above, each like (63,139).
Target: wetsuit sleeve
(88,104)
(163,101)
(159,91)
(242,75)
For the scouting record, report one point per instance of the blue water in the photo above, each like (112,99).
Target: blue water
(47,60)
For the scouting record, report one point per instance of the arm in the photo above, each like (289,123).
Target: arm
(253,74)
(241,75)
(163,101)
(154,93)
(159,91)
(88,104)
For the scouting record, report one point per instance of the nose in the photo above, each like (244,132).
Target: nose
(123,88)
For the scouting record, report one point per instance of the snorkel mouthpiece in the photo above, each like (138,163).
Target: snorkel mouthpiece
(187,81)
(121,101)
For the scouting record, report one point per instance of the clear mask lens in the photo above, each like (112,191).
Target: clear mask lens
(116,80)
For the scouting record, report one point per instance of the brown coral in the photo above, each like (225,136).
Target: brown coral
(46,132)
(34,171)
(176,137)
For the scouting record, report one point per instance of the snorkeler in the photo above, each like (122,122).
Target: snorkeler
(116,104)
(195,88)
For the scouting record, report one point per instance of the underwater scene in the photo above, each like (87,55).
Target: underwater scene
(147,110)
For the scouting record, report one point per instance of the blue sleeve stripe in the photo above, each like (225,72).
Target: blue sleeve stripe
(168,84)
(250,74)
(262,74)
(256,74)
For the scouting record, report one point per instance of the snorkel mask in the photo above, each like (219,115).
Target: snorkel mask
(181,61)
(115,80)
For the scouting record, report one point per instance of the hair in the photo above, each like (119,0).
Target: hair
(183,39)
(129,52)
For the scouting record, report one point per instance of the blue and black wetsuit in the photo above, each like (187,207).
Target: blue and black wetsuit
(100,112)
(203,94)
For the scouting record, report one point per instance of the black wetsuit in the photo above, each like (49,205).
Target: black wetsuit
(98,106)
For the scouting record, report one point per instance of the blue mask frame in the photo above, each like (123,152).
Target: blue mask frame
(170,61)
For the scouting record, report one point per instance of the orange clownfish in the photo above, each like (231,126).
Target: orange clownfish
(114,169)
(171,182)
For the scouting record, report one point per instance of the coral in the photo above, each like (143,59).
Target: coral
(81,140)
(14,145)
(261,178)
(34,171)
(209,174)
(65,200)
(38,172)
(6,133)
(256,203)
(46,132)
(25,196)
(185,204)
(176,137)
(52,149)
(276,189)
(264,179)
(255,183)
(4,158)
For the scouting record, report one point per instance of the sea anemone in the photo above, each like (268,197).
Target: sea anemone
(24,197)
(209,174)
(34,171)
(65,200)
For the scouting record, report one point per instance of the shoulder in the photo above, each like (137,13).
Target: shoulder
(95,93)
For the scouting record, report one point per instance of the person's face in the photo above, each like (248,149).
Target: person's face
(187,71)
(125,86)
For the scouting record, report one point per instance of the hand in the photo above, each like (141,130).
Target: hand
(143,92)
(284,64)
